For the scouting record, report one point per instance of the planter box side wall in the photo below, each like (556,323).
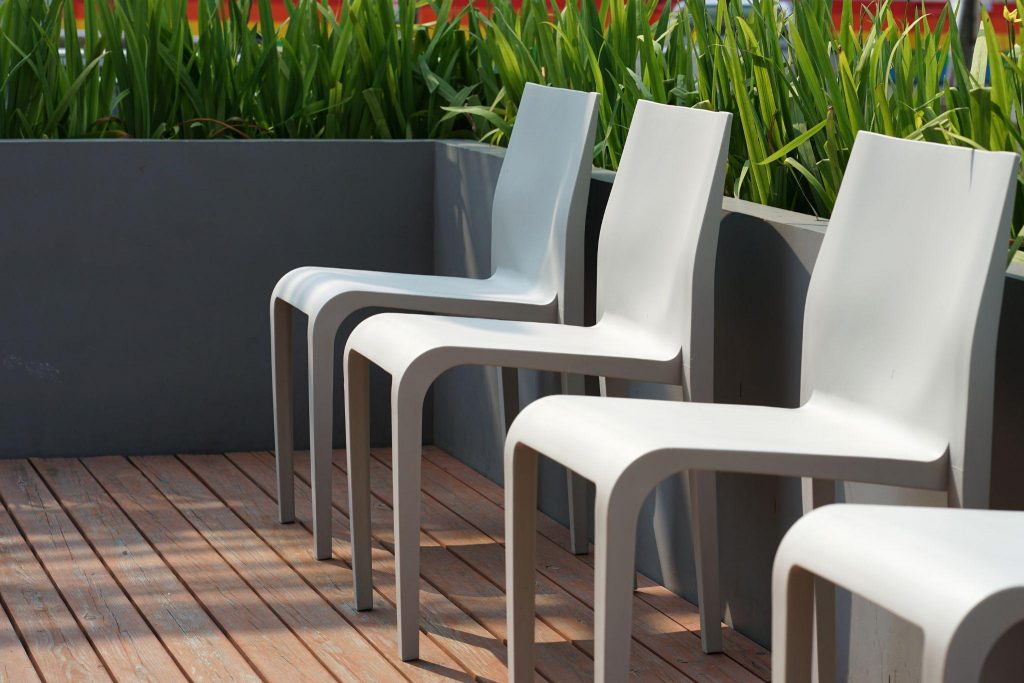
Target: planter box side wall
(138,275)
(765,258)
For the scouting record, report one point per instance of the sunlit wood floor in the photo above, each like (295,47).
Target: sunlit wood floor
(175,568)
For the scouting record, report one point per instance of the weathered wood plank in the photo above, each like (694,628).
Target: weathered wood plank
(332,579)
(120,635)
(272,648)
(15,664)
(557,658)
(58,646)
(652,628)
(195,641)
(452,628)
(555,607)
(334,640)
(739,648)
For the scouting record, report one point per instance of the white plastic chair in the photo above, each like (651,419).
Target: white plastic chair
(655,280)
(957,574)
(897,374)
(538,221)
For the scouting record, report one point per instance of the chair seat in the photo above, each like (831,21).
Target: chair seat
(927,565)
(397,341)
(309,289)
(826,439)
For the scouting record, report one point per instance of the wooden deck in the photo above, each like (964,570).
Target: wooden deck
(175,568)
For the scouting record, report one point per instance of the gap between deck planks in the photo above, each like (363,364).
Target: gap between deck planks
(163,567)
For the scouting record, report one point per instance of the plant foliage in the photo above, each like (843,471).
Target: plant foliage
(799,84)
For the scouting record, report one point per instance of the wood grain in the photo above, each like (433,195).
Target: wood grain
(275,652)
(15,664)
(332,579)
(58,646)
(738,647)
(200,647)
(175,567)
(453,629)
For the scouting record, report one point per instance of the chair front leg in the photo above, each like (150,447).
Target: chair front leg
(520,556)
(320,341)
(282,375)
(579,517)
(792,623)
(615,520)
(357,429)
(407,451)
(704,523)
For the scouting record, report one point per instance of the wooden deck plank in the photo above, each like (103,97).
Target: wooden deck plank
(557,659)
(652,628)
(122,638)
(57,644)
(738,647)
(272,648)
(193,638)
(333,639)
(332,579)
(190,546)
(15,664)
(456,631)
(556,607)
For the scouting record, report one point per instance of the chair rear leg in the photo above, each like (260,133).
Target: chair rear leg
(579,517)
(704,516)
(321,431)
(282,375)
(816,493)
(617,388)
(520,556)
(510,394)
(357,418)
(614,573)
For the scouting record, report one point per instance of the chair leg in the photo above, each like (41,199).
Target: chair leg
(520,556)
(614,572)
(284,410)
(357,417)
(407,451)
(819,492)
(792,624)
(510,394)
(321,431)
(612,388)
(579,541)
(704,515)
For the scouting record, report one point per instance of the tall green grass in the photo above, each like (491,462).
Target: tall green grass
(800,87)
(331,70)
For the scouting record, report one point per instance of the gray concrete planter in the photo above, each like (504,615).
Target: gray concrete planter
(133,319)
(137,277)
(765,258)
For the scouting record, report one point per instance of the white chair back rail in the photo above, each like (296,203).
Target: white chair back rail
(916,344)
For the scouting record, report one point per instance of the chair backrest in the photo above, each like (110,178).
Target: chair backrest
(903,306)
(659,239)
(540,201)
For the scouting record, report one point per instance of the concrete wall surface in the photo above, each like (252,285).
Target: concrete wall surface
(137,275)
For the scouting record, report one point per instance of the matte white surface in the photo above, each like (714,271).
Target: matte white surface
(957,574)
(655,279)
(536,256)
(898,360)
